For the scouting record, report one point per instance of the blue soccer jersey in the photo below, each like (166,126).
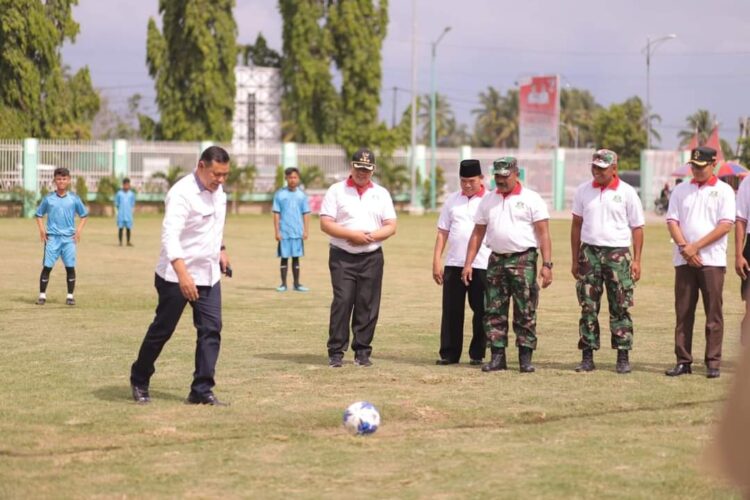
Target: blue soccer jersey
(291,206)
(61,212)
(124,202)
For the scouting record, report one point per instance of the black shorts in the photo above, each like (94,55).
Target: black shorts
(745,284)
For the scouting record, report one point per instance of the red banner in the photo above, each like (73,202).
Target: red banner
(539,112)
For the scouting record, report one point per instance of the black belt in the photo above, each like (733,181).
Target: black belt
(334,247)
(514,254)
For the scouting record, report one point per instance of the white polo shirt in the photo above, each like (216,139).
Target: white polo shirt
(743,201)
(359,211)
(699,209)
(193,230)
(457,218)
(510,219)
(609,213)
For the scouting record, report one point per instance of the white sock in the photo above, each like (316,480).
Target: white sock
(42,295)
(70,295)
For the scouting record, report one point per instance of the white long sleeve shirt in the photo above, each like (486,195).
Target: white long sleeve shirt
(193,230)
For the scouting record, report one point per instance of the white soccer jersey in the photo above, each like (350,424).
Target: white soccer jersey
(699,209)
(457,218)
(510,219)
(609,214)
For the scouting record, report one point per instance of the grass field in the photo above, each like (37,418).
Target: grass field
(69,428)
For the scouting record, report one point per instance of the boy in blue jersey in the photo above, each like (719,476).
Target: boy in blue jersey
(291,219)
(60,235)
(124,203)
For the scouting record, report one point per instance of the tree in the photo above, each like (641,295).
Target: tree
(620,128)
(259,54)
(38,96)
(171,176)
(497,119)
(239,181)
(700,122)
(448,133)
(309,105)
(358,28)
(577,110)
(192,62)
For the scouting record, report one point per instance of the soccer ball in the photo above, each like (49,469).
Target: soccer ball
(361,418)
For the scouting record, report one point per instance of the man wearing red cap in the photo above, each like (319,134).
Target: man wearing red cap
(455,225)
(607,218)
(358,215)
(700,215)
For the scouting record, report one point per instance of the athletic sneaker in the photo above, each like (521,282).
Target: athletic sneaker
(40,301)
(281,288)
(70,302)
(301,288)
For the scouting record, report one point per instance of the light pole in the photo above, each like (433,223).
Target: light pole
(651,46)
(416,201)
(433,131)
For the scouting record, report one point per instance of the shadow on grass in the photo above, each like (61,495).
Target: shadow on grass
(122,393)
(302,359)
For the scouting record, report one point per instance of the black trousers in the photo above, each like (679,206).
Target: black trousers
(207,321)
(454,302)
(357,281)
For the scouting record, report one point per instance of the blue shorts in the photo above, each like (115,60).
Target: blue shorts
(127,223)
(60,246)
(293,247)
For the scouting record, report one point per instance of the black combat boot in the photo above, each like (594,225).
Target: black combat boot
(587,361)
(524,360)
(497,361)
(623,365)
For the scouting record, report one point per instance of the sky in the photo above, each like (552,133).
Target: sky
(596,45)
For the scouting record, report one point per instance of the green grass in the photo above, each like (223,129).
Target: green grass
(69,428)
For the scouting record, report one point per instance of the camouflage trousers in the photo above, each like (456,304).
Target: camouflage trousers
(600,267)
(511,276)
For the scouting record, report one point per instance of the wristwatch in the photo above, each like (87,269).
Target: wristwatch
(548,265)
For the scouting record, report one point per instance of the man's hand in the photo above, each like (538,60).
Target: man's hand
(574,269)
(187,287)
(224,262)
(741,267)
(688,251)
(466,275)
(360,238)
(437,273)
(304,234)
(43,236)
(545,276)
(77,237)
(635,270)
(278,236)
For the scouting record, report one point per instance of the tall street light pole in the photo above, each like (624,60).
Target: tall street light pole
(416,201)
(651,46)
(433,131)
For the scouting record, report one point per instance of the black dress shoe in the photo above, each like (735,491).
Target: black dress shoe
(475,362)
(444,362)
(679,369)
(713,373)
(140,394)
(204,399)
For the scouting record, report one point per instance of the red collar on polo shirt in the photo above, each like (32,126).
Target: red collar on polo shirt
(612,184)
(479,193)
(710,182)
(515,190)
(360,189)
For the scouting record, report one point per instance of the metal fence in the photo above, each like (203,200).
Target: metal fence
(91,160)
(148,158)
(266,158)
(11,157)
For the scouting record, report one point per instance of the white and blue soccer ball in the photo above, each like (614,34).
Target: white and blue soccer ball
(361,418)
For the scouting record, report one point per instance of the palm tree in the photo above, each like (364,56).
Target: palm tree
(577,110)
(497,119)
(239,181)
(171,177)
(393,177)
(700,122)
(445,121)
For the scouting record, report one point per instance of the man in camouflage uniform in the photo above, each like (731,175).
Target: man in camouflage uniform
(607,218)
(515,221)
